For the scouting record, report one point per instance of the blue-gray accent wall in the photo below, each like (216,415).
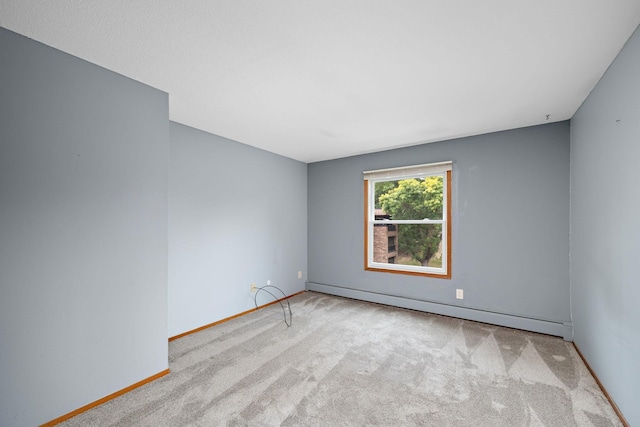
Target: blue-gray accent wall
(237,215)
(83,232)
(605,229)
(510,230)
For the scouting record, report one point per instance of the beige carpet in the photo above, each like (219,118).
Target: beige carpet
(351,363)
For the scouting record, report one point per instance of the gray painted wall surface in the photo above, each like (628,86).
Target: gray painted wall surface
(83,232)
(605,229)
(237,215)
(510,229)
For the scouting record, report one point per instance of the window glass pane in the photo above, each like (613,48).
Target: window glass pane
(415,198)
(414,244)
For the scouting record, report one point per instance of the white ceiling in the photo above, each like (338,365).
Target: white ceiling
(316,80)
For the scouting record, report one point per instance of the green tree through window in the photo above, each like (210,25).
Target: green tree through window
(415,199)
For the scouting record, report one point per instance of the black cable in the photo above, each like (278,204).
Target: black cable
(284,312)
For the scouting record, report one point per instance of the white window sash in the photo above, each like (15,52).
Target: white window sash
(399,173)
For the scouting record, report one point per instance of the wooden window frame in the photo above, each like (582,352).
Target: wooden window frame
(446,273)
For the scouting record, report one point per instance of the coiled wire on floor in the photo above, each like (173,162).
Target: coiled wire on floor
(284,311)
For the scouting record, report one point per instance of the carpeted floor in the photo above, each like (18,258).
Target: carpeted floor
(351,363)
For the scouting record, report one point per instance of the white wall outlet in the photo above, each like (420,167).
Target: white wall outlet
(459,294)
(268,282)
(299,274)
(253,287)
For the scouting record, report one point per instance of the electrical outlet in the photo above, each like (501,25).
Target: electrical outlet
(459,294)
(299,274)
(268,282)
(253,287)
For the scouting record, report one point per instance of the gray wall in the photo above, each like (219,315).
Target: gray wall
(237,215)
(83,232)
(605,229)
(510,230)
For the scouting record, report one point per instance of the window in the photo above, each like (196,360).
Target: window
(391,244)
(408,220)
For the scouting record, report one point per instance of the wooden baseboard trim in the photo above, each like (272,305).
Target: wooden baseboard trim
(105,399)
(159,374)
(193,331)
(604,390)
